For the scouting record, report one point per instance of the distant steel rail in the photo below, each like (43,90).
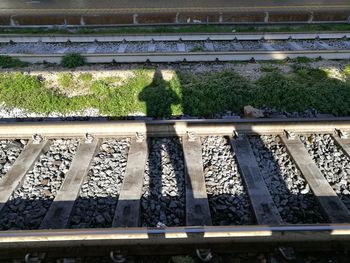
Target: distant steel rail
(88,38)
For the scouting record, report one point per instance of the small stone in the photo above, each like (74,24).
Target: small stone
(107,217)
(251,112)
(173,194)
(100,219)
(172,204)
(221,207)
(39,213)
(76,219)
(57,162)
(47,193)
(45,181)
(305,190)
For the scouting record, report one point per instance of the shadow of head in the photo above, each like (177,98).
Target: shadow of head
(159,96)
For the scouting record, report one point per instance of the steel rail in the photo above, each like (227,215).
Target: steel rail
(104,11)
(186,56)
(158,128)
(172,235)
(270,23)
(88,38)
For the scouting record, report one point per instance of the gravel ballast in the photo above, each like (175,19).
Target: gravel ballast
(333,163)
(9,151)
(29,203)
(98,197)
(163,197)
(168,46)
(289,190)
(228,200)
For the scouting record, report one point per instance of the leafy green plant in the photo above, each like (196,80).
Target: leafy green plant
(302,60)
(197,49)
(268,69)
(9,62)
(73,60)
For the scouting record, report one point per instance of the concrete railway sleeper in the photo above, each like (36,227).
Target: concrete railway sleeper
(145,185)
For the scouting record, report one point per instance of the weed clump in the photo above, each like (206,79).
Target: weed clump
(9,62)
(347,71)
(302,60)
(73,60)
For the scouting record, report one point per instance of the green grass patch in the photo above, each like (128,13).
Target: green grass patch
(66,80)
(302,60)
(346,71)
(203,94)
(28,92)
(86,78)
(73,60)
(9,62)
(112,80)
(268,69)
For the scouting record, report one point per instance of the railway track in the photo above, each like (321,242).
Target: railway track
(92,13)
(177,48)
(165,187)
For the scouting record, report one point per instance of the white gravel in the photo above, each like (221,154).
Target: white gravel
(98,197)
(109,47)
(164,46)
(279,45)
(29,203)
(223,45)
(17,113)
(337,44)
(252,45)
(9,151)
(309,44)
(137,47)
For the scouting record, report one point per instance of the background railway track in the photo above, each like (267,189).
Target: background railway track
(92,13)
(177,48)
(143,186)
